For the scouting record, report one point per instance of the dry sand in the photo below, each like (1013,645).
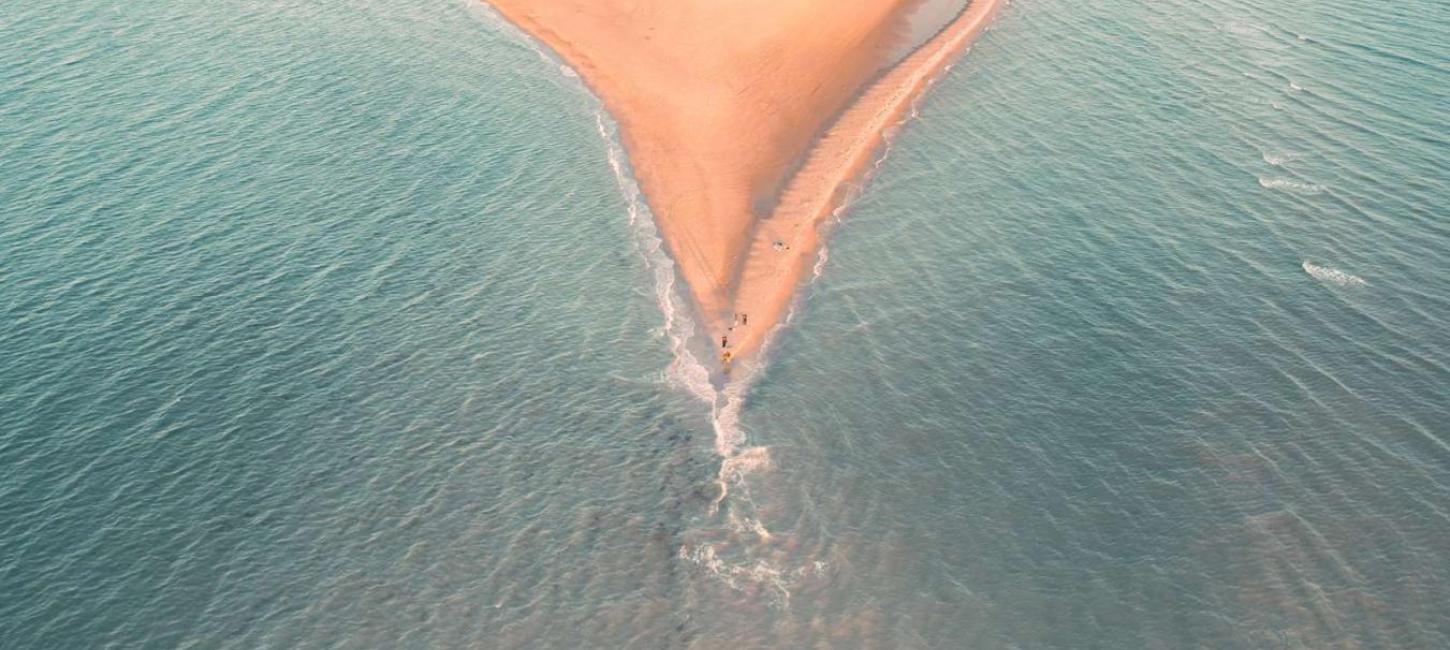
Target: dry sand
(745,123)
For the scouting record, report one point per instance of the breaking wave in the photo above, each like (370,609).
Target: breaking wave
(733,545)
(1332,275)
(1290,185)
(1278,159)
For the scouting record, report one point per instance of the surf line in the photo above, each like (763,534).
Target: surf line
(686,371)
(731,545)
(871,124)
(734,560)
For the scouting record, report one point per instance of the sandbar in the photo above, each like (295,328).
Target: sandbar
(746,123)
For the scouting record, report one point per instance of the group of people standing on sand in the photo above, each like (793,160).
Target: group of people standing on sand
(741,320)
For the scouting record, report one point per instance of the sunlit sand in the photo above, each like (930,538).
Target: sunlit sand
(746,122)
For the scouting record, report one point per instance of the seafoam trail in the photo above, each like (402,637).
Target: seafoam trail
(732,540)
(732,557)
(733,544)
(1332,275)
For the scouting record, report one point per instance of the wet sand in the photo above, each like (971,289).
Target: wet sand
(745,127)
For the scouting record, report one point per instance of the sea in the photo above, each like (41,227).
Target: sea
(334,324)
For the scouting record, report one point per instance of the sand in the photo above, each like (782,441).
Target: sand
(745,122)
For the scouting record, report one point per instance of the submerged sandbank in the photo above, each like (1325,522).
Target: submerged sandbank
(746,123)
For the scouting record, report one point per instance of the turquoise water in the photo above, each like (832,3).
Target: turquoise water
(328,325)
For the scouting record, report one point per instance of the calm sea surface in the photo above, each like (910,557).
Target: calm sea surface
(329,324)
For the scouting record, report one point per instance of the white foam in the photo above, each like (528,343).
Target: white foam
(740,575)
(739,460)
(820,266)
(496,19)
(687,373)
(1240,28)
(1278,159)
(737,560)
(1332,275)
(1290,185)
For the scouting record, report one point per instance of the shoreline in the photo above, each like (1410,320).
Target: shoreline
(840,159)
(740,167)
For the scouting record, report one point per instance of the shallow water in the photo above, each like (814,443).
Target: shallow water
(327,325)
(926,20)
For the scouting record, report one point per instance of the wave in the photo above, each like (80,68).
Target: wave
(736,547)
(1290,185)
(737,560)
(1278,160)
(733,545)
(685,371)
(741,576)
(1332,275)
(1240,28)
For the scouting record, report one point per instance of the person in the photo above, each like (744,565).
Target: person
(745,319)
(724,341)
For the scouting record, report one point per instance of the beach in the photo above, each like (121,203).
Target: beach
(745,129)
